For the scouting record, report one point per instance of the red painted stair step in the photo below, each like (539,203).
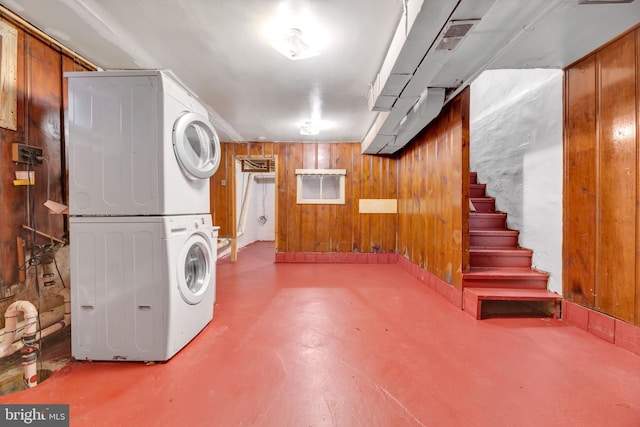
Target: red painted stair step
(484,204)
(493,257)
(493,238)
(473,177)
(491,277)
(473,297)
(487,220)
(477,190)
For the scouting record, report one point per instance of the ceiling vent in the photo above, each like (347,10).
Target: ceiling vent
(455,33)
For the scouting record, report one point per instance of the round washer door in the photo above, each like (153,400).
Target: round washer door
(194,269)
(196,146)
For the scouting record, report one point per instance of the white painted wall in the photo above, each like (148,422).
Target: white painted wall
(516,148)
(261,204)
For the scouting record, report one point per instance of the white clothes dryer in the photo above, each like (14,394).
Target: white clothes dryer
(139,143)
(142,287)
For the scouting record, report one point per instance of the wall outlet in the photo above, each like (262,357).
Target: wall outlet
(23,153)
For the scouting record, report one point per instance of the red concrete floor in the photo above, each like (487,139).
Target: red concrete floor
(354,345)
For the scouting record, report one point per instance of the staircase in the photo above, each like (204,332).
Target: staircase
(499,269)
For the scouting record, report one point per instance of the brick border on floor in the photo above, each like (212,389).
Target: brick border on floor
(448,292)
(337,257)
(612,330)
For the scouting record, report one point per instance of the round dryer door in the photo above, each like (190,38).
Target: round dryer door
(194,269)
(196,145)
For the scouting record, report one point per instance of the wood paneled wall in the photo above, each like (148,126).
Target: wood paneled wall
(41,94)
(433,191)
(335,228)
(601,159)
(316,228)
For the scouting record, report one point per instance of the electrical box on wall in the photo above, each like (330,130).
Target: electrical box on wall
(23,153)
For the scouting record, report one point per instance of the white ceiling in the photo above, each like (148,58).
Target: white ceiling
(219,49)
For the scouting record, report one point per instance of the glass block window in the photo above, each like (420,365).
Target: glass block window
(320,186)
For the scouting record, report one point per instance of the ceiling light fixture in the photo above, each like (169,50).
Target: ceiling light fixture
(293,45)
(310,128)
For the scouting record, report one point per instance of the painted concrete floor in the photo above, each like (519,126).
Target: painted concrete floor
(354,345)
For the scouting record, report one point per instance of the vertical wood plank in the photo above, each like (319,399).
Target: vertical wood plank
(365,193)
(219,205)
(426,206)
(295,231)
(439,194)
(13,211)
(415,221)
(356,184)
(465,181)
(309,155)
(637,122)
(44,129)
(403,206)
(321,228)
(616,179)
(333,232)
(282,199)
(345,221)
(461,231)
(580,183)
(391,221)
(323,153)
(375,220)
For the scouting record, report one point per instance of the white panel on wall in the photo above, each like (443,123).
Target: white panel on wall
(516,149)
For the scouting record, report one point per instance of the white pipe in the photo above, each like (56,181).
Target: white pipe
(245,205)
(47,318)
(18,345)
(223,243)
(12,341)
(66,294)
(10,320)
(244,209)
(60,313)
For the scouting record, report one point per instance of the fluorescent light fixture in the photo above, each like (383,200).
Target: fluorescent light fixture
(293,45)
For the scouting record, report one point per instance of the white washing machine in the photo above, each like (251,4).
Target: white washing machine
(139,144)
(143,287)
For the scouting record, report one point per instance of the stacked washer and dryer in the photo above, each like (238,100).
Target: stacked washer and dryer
(143,247)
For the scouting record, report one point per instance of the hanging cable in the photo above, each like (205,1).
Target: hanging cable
(31,345)
(48,276)
(46,162)
(263,218)
(58,271)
